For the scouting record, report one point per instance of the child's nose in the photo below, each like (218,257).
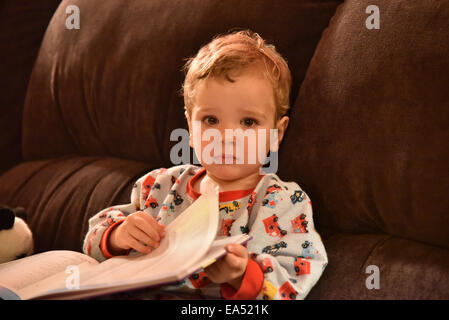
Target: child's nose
(227,135)
(229,140)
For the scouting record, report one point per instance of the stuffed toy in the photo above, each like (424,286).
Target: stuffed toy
(16,238)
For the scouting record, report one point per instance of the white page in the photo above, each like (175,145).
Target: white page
(58,280)
(21,273)
(216,250)
(187,239)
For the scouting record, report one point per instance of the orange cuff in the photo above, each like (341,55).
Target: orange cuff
(250,287)
(104,240)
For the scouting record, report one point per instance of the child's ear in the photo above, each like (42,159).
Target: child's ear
(189,123)
(282,125)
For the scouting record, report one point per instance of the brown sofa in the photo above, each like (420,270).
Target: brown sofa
(367,138)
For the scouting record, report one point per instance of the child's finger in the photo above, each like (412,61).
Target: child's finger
(219,275)
(220,266)
(136,245)
(234,262)
(211,271)
(238,250)
(147,224)
(158,227)
(149,230)
(143,237)
(214,266)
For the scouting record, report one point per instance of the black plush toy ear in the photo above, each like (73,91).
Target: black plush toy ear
(20,212)
(7,218)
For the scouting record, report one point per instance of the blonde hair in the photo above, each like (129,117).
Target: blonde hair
(234,52)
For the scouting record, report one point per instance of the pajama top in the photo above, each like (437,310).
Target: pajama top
(286,253)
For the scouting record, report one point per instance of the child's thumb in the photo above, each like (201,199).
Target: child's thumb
(235,248)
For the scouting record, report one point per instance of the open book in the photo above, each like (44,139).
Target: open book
(189,244)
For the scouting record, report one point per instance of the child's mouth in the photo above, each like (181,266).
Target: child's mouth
(225,158)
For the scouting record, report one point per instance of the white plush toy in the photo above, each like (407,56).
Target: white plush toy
(16,238)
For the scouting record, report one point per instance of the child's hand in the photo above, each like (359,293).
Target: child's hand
(138,227)
(230,268)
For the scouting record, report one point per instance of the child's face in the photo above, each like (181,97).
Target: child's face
(247,103)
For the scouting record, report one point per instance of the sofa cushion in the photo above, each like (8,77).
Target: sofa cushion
(60,195)
(406,269)
(371,123)
(112,86)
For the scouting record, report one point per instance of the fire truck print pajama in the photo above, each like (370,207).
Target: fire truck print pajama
(286,254)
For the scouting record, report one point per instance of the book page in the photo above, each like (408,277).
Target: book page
(58,280)
(218,248)
(187,240)
(18,274)
(216,251)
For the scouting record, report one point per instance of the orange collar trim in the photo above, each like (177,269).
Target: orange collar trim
(222,196)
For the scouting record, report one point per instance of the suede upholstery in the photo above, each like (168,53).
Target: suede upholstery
(22,26)
(367,138)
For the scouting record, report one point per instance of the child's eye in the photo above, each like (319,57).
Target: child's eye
(210,120)
(249,122)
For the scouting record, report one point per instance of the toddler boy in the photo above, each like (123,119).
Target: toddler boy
(235,82)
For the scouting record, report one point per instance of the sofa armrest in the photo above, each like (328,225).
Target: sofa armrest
(23,24)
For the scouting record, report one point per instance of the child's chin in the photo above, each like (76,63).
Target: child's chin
(231,171)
